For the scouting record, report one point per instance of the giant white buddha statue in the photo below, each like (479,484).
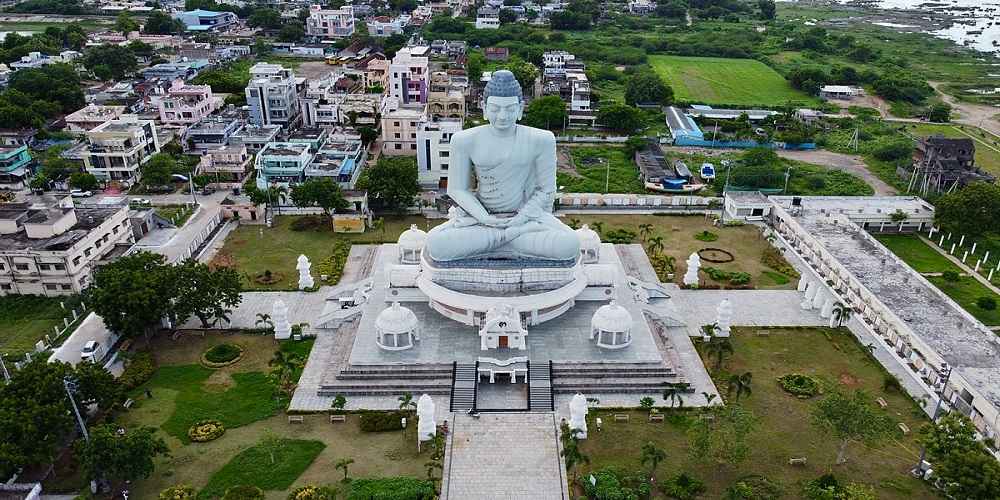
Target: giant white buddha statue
(502,178)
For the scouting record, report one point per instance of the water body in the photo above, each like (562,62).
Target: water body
(976,23)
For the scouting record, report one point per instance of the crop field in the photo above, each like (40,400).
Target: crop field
(715,80)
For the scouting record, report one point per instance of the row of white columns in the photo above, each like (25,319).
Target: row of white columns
(815,297)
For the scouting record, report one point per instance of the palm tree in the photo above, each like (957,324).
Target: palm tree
(672,394)
(574,223)
(284,365)
(598,227)
(344,463)
(645,230)
(708,398)
(571,449)
(656,245)
(740,384)
(264,319)
(406,401)
(379,225)
(840,314)
(719,348)
(222,315)
(653,455)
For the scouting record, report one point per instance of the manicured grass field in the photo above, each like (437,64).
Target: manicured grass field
(714,80)
(921,257)
(987,152)
(26,319)
(595,164)
(783,422)
(178,214)
(966,292)
(254,467)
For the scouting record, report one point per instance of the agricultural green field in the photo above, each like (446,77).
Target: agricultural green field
(715,80)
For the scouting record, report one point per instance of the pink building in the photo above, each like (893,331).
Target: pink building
(187,104)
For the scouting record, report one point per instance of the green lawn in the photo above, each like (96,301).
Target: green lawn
(592,165)
(178,214)
(966,291)
(26,319)
(714,80)
(921,257)
(784,429)
(257,467)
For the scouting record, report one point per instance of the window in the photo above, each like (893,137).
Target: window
(44,267)
(51,286)
(445,154)
(398,146)
(444,166)
(87,252)
(397,135)
(413,146)
(60,267)
(76,260)
(114,230)
(5,286)
(2,267)
(395,124)
(413,135)
(65,287)
(21,267)
(97,244)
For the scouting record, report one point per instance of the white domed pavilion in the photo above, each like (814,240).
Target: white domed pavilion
(411,244)
(611,326)
(590,244)
(396,328)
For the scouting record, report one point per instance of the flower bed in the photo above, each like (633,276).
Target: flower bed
(715,255)
(799,385)
(178,492)
(221,355)
(244,493)
(313,492)
(205,431)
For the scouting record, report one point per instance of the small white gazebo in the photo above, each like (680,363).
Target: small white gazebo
(590,244)
(611,326)
(411,244)
(396,328)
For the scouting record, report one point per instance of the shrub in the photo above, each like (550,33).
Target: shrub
(382,421)
(223,353)
(753,488)
(682,487)
(178,492)
(244,493)
(986,303)
(206,430)
(616,483)
(620,236)
(313,492)
(950,276)
(647,402)
(333,266)
(706,236)
(891,383)
(391,488)
(799,385)
(139,370)
(733,277)
(773,258)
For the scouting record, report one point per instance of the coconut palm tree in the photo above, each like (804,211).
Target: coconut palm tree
(719,348)
(344,463)
(671,394)
(645,231)
(656,245)
(708,398)
(574,223)
(652,455)
(841,314)
(284,364)
(265,320)
(740,384)
(406,401)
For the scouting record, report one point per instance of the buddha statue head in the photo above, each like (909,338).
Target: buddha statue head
(503,102)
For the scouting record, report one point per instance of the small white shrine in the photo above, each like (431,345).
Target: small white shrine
(693,265)
(502,329)
(411,244)
(578,415)
(396,328)
(279,315)
(590,244)
(611,325)
(426,425)
(305,277)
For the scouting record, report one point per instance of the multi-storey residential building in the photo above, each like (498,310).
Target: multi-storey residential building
(376,73)
(487,18)
(14,163)
(315,138)
(640,7)
(384,26)
(272,95)
(565,77)
(408,75)
(340,158)
(327,104)
(36,59)
(255,137)
(330,23)
(206,20)
(434,151)
(282,163)
(91,116)
(446,98)
(118,148)
(48,247)
(186,104)
(227,165)
(211,132)
(399,130)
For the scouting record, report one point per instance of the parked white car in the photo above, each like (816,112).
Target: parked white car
(92,352)
(79,193)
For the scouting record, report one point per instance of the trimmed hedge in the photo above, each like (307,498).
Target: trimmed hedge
(206,430)
(799,385)
(313,492)
(223,353)
(382,421)
(244,493)
(178,492)
(139,370)
(391,488)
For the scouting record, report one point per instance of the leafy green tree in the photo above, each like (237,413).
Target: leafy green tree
(157,170)
(547,112)
(264,18)
(767,9)
(292,32)
(124,456)
(58,169)
(206,293)
(939,112)
(133,293)
(952,433)
(507,16)
(368,135)
(125,24)
(261,48)
(969,475)
(719,348)
(620,118)
(160,23)
(971,210)
(850,419)
(646,87)
(323,193)
(524,72)
(84,181)
(56,83)
(740,384)
(652,455)
(571,453)
(343,464)
(393,183)
(110,62)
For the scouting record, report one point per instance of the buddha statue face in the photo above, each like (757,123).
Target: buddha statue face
(503,112)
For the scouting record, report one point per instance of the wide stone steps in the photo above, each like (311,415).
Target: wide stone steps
(540,385)
(383,388)
(625,378)
(382,380)
(463,390)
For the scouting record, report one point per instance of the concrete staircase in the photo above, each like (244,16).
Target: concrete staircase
(617,378)
(388,380)
(540,387)
(463,393)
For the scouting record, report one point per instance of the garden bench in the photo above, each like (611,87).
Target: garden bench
(338,418)
(621,417)
(128,403)
(762,333)
(801,461)
(656,417)
(297,419)
(881,402)
(904,428)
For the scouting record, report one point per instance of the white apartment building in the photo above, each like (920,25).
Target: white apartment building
(408,75)
(227,165)
(385,26)
(487,18)
(90,116)
(434,151)
(48,247)
(272,95)
(330,23)
(185,104)
(118,148)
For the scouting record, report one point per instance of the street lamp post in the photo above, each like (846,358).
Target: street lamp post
(945,372)
(70,388)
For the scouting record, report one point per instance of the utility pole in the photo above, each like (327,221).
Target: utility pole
(607,174)
(788,174)
(70,387)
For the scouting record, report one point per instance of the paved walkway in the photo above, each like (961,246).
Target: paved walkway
(958,262)
(750,307)
(509,456)
(852,164)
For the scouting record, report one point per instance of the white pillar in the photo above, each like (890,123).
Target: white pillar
(827,309)
(806,303)
(803,281)
(941,244)
(964,255)
(990,277)
(977,266)
(881,226)
(986,257)
(930,234)
(818,299)
(973,251)
(952,251)
(811,290)
(961,241)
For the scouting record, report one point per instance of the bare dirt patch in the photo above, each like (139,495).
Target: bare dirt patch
(564,162)
(848,380)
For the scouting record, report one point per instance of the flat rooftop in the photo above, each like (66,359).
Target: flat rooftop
(87,219)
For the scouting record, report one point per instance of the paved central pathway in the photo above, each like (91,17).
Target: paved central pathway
(509,456)
(958,262)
